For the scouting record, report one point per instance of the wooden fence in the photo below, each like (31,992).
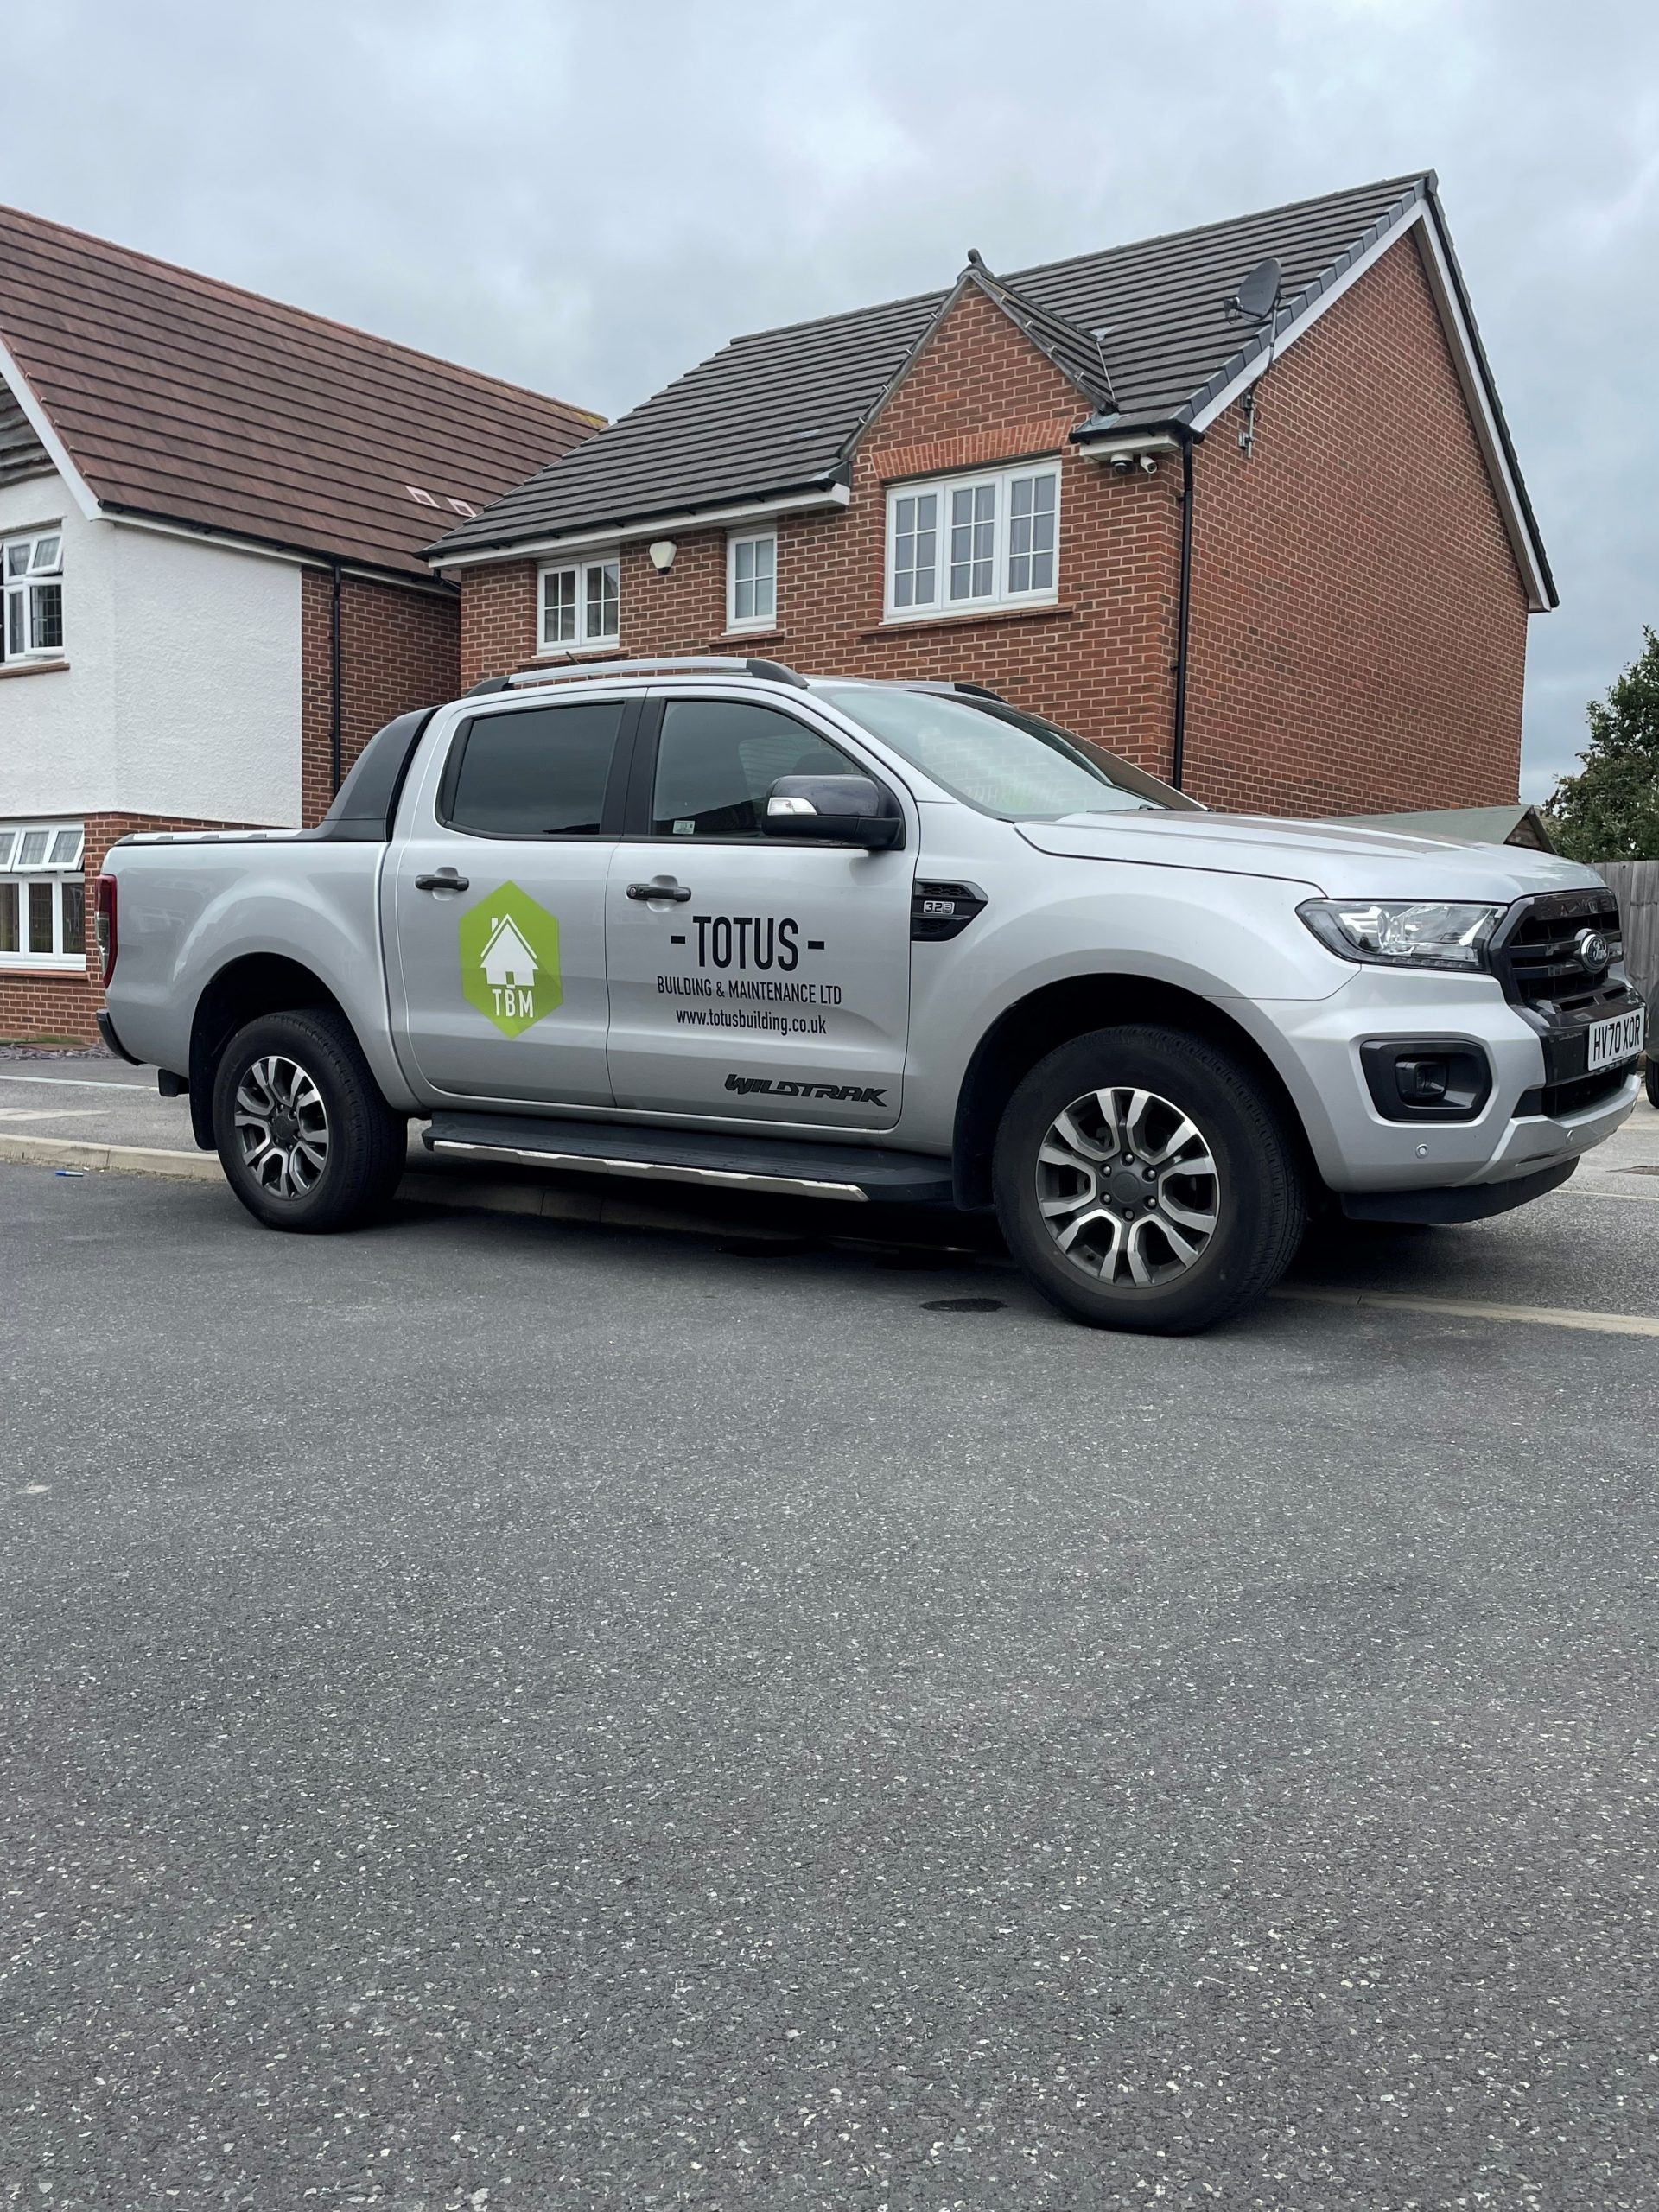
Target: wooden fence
(1634,884)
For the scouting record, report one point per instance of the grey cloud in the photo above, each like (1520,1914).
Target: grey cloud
(588,199)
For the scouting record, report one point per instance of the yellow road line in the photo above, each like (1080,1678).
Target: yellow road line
(1475,1309)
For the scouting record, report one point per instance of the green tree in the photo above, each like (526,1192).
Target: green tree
(1610,809)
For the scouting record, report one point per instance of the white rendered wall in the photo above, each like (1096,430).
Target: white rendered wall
(57,731)
(207,679)
(183,688)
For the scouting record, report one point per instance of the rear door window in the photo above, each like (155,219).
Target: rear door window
(537,772)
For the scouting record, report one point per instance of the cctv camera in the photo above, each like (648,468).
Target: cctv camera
(1121,464)
(1148,464)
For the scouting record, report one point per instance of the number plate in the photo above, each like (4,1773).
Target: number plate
(1614,1041)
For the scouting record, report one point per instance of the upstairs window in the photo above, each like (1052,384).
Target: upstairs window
(42,895)
(961,543)
(752,581)
(31,575)
(581,605)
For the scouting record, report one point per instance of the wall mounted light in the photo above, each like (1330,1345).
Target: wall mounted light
(661,551)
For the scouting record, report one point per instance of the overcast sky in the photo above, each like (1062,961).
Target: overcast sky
(589,198)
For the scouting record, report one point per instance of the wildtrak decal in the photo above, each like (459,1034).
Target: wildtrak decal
(842,1093)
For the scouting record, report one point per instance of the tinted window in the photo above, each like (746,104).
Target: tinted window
(538,773)
(718,759)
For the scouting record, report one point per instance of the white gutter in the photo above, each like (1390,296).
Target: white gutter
(832,495)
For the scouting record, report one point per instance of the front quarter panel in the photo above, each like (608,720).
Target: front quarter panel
(1233,939)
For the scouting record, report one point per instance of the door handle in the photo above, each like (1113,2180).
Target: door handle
(445,880)
(675,892)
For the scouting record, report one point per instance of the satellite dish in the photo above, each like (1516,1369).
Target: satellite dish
(1257,297)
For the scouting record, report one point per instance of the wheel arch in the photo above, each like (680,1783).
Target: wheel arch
(1024,1033)
(258,983)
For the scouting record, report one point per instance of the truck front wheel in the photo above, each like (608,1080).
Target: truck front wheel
(305,1138)
(1144,1180)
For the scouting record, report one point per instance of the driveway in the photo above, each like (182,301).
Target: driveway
(508,1713)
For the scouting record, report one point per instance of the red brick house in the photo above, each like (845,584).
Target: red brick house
(1286,559)
(212,508)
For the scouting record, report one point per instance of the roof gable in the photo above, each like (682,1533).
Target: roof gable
(1140,329)
(172,396)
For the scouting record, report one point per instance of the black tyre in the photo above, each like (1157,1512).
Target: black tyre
(306,1139)
(1653,1083)
(1145,1180)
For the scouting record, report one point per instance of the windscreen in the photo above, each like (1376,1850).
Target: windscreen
(996,757)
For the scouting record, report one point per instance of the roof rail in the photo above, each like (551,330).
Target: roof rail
(771,671)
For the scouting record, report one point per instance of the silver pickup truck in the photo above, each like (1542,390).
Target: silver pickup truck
(712,921)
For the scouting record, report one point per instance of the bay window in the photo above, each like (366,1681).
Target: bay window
(31,579)
(957,544)
(42,895)
(580,606)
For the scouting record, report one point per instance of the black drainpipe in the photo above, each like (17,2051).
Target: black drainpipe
(333,684)
(1183,619)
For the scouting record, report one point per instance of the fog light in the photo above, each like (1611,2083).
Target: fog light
(1422,1083)
(1426,1078)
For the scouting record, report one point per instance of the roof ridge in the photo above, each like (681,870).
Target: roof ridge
(1069,261)
(110,249)
(1226,223)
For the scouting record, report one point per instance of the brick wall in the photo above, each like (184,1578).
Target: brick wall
(398,648)
(62,1004)
(1358,633)
(979,393)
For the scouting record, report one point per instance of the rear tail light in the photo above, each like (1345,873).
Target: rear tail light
(109,942)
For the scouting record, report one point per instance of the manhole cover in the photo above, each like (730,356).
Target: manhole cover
(963,1305)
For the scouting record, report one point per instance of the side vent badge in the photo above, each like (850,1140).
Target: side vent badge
(939,910)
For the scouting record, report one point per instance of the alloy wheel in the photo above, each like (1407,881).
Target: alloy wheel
(282,1127)
(1128,1187)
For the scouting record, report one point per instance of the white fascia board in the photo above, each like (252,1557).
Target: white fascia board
(225,542)
(1464,361)
(1310,315)
(833,495)
(24,393)
(1130,443)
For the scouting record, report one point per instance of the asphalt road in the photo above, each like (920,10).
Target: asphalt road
(498,1713)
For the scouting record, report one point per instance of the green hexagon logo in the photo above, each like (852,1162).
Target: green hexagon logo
(510,959)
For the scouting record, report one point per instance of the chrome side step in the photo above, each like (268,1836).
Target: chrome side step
(783,1166)
(592,1163)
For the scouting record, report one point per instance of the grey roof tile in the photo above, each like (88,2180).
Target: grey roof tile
(1140,329)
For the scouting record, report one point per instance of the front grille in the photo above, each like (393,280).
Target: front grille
(1535,957)
(1576,1097)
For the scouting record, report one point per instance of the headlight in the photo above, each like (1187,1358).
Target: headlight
(1403,932)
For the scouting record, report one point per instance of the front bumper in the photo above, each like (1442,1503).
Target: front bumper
(1531,1121)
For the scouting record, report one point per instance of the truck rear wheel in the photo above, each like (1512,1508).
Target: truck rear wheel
(305,1138)
(1144,1180)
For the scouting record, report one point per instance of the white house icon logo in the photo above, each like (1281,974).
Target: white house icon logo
(507,958)
(509,968)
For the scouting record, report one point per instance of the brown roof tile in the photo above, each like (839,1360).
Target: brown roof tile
(182,397)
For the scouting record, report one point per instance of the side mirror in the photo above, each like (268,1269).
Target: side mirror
(836,810)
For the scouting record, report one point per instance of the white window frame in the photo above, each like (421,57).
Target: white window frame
(737,622)
(581,640)
(42,563)
(16,875)
(941,606)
